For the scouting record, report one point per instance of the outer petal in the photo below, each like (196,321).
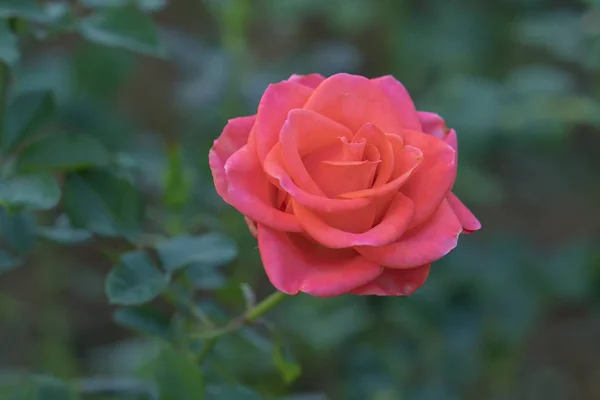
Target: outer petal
(429,185)
(403,104)
(234,137)
(310,80)
(433,124)
(424,245)
(294,264)
(248,191)
(275,104)
(469,222)
(273,167)
(388,230)
(353,101)
(396,282)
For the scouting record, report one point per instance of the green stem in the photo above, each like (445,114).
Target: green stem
(264,306)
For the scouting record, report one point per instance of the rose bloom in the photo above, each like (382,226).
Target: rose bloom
(346,186)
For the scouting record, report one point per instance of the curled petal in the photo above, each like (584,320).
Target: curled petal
(274,167)
(294,264)
(401,101)
(275,104)
(423,245)
(374,136)
(388,230)
(234,137)
(451,139)
(433,124)
(248,191)
(396,282)
(429,185)
(310,80)
(469,222)
(353,101)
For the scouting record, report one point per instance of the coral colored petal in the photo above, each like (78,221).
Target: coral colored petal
(341,177)
(353,101)
(429,185)
(234,137)
(275,104)
(387,231)
(403,104)
(411,158)
(274,167)
(377,138)
(249,192)
(433,124)
(310,80)
(396,282)
(294,264)
(451,139)
(304,132)
(469,222)
(422,245)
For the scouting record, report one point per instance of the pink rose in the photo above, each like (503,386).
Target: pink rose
(346,186)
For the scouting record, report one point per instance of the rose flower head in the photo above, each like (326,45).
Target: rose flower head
(346,186)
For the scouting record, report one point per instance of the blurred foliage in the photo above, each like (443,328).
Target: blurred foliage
(109,109)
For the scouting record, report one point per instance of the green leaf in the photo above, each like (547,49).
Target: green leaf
(25,115)
(147,5)
(63,232)
(8,263)
(18,230)
(211,249)
(38,191)
(63,152)
(9,47)
(177,186)
(125,27)
(103,203)
(26,9)
(232,393)
(285,362)
(146,320)
(34,387)
(135,280)
(207,277)
(178,377)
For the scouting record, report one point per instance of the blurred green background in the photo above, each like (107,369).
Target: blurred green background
(512,313)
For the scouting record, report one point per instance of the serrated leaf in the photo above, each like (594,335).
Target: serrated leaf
(38,191)
(25,115)
(285,362)
(125,27)
(145,320)
(211,249)
(9,47)
(178,377)
(63,152)
(18,230)
(103,203)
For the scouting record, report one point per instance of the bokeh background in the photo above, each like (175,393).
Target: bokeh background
(512,313)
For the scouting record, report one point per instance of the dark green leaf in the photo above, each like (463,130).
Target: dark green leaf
(9,47)
(25,115)
(178,377)
(146,320)
(211,249)
(285,362)
(232,393)
(63,152)
(103,203)
(27,9)
(135,280)
(7,262)
(207,277)
(18,230)
(63,232)
(38,191)
(125,27)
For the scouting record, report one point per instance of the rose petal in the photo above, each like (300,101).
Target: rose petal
(401,101)
(248,191)
(423,245)
(294,264)
(451,139)
(377,138)
(234,137)
(429,185)
(391,228)
(433,124)
(469,222)
(335,177)
(310,80)
(396,282)
(275,104)
(353,101)
(274,167)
